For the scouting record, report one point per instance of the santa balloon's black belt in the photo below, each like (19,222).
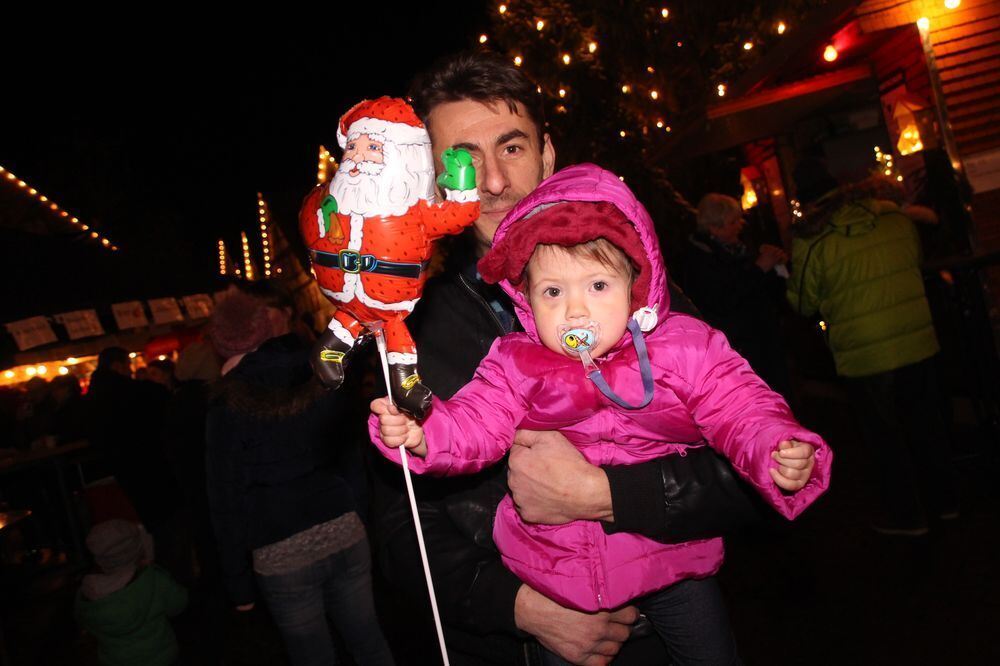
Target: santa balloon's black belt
(350,261)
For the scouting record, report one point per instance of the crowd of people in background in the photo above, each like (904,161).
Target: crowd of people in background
(249,477)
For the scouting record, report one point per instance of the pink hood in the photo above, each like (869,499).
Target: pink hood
(589,182)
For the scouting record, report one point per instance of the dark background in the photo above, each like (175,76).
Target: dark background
(160,135)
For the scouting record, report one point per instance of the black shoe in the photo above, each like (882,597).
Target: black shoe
(408,393)
(329,358)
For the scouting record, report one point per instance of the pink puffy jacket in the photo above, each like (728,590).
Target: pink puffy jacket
(704,393)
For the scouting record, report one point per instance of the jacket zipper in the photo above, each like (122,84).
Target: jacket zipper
(483,303)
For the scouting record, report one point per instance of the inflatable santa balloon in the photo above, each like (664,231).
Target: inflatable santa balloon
(370,235)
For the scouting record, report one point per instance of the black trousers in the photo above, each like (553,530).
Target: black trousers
(901,414)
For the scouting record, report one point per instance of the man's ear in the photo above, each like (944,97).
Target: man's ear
(548,156)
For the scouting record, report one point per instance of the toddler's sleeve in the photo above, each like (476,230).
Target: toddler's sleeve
(475,428)
(742,418)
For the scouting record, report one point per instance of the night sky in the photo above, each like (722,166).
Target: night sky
(160,139)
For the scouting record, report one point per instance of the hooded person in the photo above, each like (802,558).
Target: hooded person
(656,382)
(370,234)
(126,604)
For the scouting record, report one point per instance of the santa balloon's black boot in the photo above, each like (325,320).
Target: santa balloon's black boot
(407,392)
(329,358)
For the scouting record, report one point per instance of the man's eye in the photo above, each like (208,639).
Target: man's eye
(511,150)
(375,147)
(350,146)
(552,292)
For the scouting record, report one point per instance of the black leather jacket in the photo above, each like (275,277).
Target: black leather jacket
(672,499)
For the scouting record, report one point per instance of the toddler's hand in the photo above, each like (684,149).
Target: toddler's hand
(398,429)
(795,464)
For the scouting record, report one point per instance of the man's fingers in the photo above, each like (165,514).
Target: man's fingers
(627,615)
(379,406)
(608,648)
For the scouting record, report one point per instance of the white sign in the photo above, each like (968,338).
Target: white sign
(129,315)
(81,324)
(983,170)
(32,332)
(165,310)
(198,306)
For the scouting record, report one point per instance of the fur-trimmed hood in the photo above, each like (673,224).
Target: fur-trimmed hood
(850,209)
(272,383)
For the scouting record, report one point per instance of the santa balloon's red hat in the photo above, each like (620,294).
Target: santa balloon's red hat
(383,119)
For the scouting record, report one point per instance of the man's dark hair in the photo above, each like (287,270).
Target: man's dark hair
(479,76)
(111,355)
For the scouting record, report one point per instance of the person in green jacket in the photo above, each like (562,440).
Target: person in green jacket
(856,262)
(126,604)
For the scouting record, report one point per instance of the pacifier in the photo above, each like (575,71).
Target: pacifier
(580,339)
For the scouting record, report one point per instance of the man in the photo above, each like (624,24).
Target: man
(481,103)
(738,291)
(856,262)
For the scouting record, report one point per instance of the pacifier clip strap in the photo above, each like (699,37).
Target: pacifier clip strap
(645,371)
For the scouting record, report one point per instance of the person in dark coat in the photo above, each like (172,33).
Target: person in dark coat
(285,517)
(126,426)
(738,291)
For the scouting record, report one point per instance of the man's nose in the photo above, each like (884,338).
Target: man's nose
(491,177)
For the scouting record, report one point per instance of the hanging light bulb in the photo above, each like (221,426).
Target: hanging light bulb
(483,39)
(502,9)
(924,23)
(830,53)
(952,4)
(654,94)
(622,134)
(565,58)
(592,47)
(518,60)
(665,13)
(562,92)
(540,25)
(747,46)
(782,27)
(626,89)
(721,89)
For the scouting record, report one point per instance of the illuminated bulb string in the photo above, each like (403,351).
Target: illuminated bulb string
(31,191)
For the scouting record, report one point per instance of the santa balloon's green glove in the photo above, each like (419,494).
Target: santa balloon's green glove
(459,174)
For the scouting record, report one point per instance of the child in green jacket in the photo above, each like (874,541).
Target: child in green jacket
(127,602)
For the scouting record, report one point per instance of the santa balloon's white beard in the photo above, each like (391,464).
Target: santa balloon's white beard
(389,189)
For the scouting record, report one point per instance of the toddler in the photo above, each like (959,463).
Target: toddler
(604,361)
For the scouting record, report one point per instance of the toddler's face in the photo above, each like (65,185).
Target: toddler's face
(569,289)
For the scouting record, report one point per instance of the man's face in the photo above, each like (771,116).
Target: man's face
(729,232)
(361,150)
(504,146)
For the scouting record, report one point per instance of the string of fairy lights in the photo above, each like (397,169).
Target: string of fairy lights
(55,208)
(588,46)
(327,166)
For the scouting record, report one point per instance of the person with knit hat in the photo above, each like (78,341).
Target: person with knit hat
(605,361)
(127,602)
(370,234)
(280,487)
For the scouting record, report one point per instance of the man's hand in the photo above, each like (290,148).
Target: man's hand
(398,429)
(769,257)
(795,464)
(458,174)
(592,639)
(551,482)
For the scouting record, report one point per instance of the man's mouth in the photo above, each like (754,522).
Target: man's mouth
(354,172)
